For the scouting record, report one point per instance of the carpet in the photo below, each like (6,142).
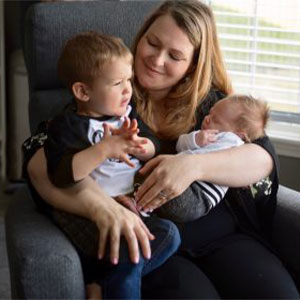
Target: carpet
(4,271)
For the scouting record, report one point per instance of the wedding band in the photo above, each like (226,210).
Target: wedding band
(162,194)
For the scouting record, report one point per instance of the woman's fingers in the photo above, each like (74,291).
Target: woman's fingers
(150,236)
(155,203)
(147,191)
(133,246)
(102,242)
(150,165)
(114,244)
(165,180)
(144,242)
(134,230)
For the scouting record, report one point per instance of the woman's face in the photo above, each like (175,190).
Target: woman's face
(163,56)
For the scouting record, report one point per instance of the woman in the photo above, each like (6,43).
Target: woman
(179,75)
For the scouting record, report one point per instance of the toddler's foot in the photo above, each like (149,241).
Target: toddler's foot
(93,291)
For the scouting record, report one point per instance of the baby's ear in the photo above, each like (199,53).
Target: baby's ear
(81,91)
(243,135)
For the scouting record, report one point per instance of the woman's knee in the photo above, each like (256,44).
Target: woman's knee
(247,269)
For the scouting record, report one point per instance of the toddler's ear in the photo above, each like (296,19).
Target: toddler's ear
(80,91)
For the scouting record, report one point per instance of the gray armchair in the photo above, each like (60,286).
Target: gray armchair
(43,263)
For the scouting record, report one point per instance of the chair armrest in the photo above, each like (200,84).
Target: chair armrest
(43,263)
(286,235)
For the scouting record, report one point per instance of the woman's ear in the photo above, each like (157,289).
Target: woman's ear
(81,91)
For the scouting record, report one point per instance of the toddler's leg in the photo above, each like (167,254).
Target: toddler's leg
(167,241)
(121,281)
(93,291)
(189,206)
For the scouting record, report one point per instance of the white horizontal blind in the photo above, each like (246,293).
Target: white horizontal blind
(260,40)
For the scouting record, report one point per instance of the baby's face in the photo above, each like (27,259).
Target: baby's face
(111,92)
(222,116)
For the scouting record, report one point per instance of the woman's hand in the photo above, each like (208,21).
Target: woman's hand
(170,176)
(115,220)
(112,219)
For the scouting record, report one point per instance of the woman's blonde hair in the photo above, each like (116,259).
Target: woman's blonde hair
(206,72)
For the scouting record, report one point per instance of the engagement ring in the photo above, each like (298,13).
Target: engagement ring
(162,194)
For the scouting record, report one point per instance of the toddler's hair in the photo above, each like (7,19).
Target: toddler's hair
(84,55)
(253,117)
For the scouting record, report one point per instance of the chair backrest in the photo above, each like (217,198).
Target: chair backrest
(48,25)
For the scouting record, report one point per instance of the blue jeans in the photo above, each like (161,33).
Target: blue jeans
(123,281)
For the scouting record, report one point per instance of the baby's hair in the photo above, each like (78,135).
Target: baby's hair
(254,116)
(84,55)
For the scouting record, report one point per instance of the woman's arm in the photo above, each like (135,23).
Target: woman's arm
(89,201)
(234,167)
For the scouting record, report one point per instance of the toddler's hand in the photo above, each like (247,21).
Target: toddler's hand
(119,146)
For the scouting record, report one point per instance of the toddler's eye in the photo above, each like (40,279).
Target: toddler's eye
(118,83)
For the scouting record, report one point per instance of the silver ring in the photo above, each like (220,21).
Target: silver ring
(162,194)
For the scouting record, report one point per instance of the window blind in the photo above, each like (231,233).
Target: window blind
(260,41)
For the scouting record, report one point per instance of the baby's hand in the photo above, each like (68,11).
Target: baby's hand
(128,202)
(205,137)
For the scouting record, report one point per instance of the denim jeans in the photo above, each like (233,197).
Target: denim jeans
(123,281)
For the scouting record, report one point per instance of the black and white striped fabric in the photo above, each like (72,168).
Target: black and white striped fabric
(186,144)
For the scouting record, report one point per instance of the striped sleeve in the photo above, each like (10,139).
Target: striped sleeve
(214,193)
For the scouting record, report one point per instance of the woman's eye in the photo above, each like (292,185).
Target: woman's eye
(151,43)
(174,57)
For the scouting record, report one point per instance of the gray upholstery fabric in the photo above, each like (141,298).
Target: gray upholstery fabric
(43,263)
(287,226)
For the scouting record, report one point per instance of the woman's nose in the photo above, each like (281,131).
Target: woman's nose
(158,59)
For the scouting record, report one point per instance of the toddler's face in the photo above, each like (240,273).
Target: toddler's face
(111,92)
(222,116)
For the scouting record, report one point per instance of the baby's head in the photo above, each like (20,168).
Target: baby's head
(97,69)
(241,114)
